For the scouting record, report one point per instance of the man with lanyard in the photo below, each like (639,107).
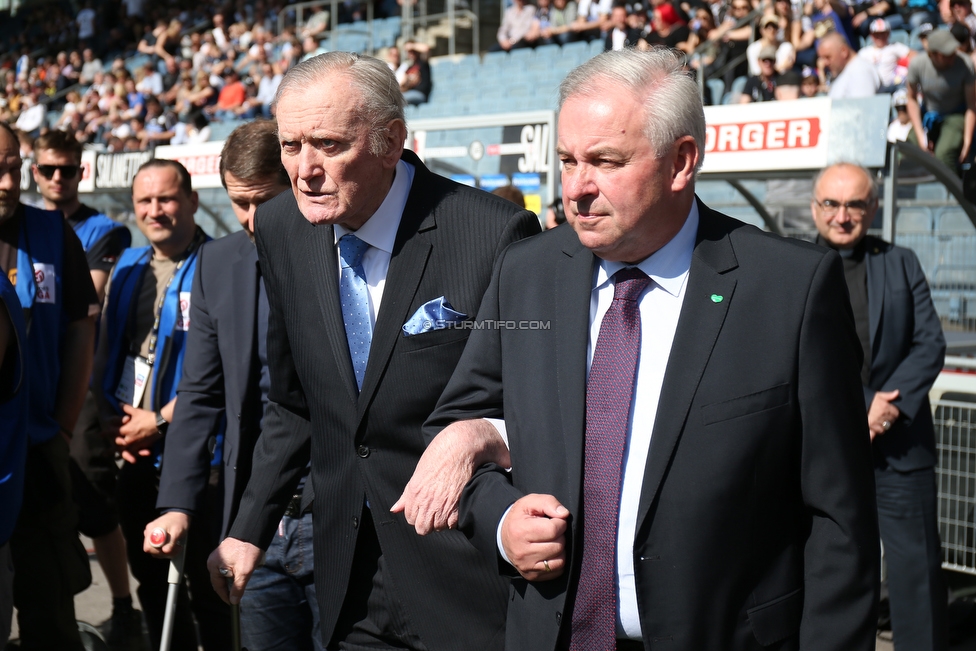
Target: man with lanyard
(138,366)
(42,258)
(57,172)
(226,373)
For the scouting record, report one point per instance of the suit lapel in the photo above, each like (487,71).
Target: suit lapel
(698,328)
(875,259)
(244,278)
(324,272)
(573,286)
(411,251)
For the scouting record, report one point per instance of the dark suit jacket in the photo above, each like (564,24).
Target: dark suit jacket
(757,522)
(366,446)
(907,352)
(220,381)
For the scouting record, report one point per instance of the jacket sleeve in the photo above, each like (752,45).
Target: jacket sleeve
(841,552)
(199,410)
(475,391)
(283,449)
(918,370)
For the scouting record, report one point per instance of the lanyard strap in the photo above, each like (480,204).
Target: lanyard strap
(158,312)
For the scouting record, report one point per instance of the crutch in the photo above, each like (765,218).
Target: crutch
(174,579)
(235,620)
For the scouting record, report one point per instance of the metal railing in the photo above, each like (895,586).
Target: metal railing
(955,439)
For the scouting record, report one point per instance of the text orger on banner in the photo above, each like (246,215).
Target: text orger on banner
(766,136)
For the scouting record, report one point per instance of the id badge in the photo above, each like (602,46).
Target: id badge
(132,385)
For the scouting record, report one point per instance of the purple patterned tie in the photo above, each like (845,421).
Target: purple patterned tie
(608,397)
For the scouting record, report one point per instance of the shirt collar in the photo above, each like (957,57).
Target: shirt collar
(380,230)
(668,266)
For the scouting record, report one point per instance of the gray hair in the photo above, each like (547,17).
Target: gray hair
(380,98)
(672,104)
(872,181)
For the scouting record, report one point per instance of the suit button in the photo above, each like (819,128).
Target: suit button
(355,522)
(362,451)
(238,416)
(559,619)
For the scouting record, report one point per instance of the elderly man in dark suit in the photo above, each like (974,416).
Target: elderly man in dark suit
(689,466)
(224,389)
(904,351)
(374,266)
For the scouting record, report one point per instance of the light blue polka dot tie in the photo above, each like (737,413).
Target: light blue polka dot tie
(355,302)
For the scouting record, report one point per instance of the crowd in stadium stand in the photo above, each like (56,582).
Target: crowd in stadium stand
(126,76)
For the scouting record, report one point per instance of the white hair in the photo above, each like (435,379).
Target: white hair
(380,99)
(672,103)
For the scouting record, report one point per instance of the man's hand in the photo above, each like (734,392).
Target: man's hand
(534,537)
(238,560)
(882,414)
(137,433)
(175,524)
(430,499)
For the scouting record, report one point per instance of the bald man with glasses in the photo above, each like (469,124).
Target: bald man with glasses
(904,350)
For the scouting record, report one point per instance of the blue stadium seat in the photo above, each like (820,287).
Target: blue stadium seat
(931,192)
(596,47)
(913,220)
(577,50)
(717,193)
(899,36)
(738,84)
(717,88)
(954,220)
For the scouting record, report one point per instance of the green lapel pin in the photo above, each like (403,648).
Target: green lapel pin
(717,298)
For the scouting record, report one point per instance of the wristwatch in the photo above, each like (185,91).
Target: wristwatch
(161,423)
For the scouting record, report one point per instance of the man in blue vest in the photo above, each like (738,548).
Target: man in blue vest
(57,171)
(138,366)
(42,258)
(13,438)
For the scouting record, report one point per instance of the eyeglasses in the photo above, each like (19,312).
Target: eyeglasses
(831,207)
(67,171)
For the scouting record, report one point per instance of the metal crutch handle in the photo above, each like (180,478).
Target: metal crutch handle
(173,592)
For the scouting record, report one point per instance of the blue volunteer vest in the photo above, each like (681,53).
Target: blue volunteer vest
(96,227)
(127,277)
(41,252)
(13,417)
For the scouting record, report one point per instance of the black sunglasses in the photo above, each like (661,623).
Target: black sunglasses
(67,171)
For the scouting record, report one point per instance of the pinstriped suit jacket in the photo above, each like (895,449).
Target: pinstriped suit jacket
(367,445)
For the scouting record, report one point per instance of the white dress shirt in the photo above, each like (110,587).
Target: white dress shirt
(660,306)
(380,233)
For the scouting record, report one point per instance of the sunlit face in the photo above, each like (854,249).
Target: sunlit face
(834,55)
(618,195)
(164,212)
(246,196)
(62,185)
(840,185)
(325,150)
(10,163)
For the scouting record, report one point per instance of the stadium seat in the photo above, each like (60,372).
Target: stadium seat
(717,193)
(596,47)
(954,220)
(899,36)
(717,88)
(931,192)
(738,84)
(913,220)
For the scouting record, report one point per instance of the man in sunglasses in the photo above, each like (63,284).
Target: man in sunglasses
(44,261)
(57,172)
(904,350)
